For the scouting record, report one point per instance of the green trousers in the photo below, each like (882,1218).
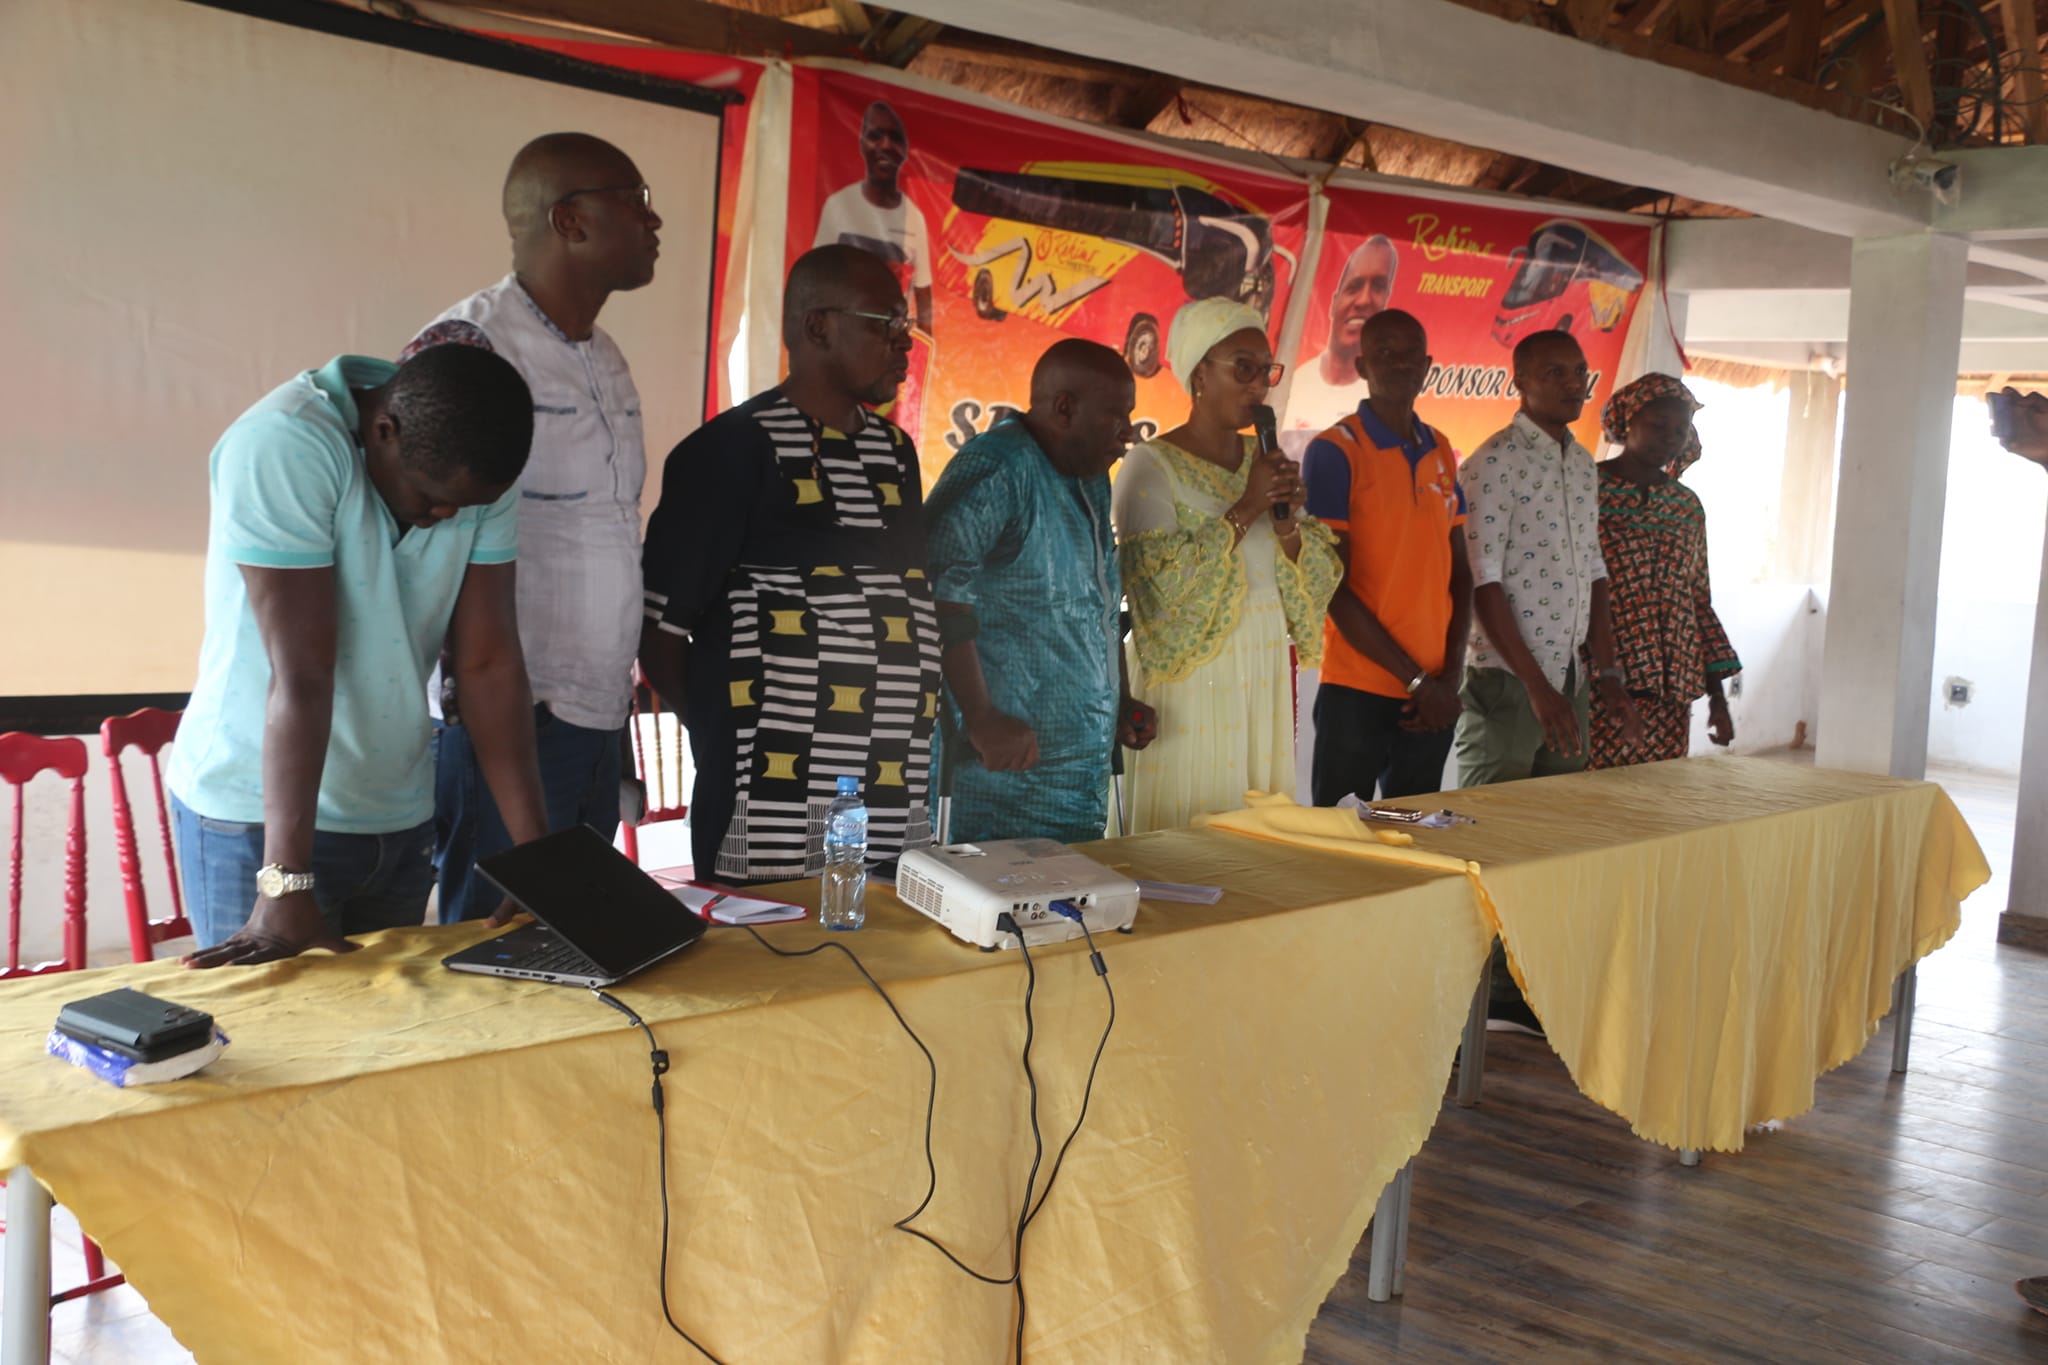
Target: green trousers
(1499,737)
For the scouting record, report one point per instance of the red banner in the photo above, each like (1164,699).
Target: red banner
(1008,233)
(1480,277)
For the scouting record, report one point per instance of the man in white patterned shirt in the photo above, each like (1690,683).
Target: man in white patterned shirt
(1532,532)
(583,227)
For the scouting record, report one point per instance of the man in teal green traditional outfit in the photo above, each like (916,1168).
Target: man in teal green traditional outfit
(1023,566)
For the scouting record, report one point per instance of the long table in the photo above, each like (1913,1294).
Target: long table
(1702,940)
(393,1161)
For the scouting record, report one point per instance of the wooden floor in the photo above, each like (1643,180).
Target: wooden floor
(1885,1226)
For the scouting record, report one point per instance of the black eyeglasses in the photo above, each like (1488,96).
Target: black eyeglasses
(894,325)
(1245,370)
(640,192)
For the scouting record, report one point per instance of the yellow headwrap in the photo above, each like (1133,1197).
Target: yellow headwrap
(1199,326)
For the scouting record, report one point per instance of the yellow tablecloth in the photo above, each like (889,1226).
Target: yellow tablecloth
(395,1162)
(1702,939)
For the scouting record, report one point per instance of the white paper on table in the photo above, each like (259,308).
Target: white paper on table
(724,907)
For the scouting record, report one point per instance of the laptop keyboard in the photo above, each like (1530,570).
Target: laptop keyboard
(560,957)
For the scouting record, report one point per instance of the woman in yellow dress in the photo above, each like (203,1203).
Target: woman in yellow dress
(1217,585)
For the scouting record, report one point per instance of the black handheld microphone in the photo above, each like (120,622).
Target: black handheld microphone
(1268,427)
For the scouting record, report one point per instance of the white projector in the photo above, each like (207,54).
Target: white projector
(966,886)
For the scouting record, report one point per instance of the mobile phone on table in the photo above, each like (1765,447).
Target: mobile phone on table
(139,1027)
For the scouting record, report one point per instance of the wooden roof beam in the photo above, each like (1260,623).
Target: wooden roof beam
(899,40)
(2023,39)
(1690,23)
(1589,18)
(1336,139)
(853,17)
(1801,54)
(1863,62)
(1712,65)
(698,24)
(1906,25)
(1742,40)
(1136,105)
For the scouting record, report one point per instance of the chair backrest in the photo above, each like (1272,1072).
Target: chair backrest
(661,770)
(23,757)
(148,730)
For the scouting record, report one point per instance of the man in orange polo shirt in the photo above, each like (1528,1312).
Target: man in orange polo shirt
(1394,643)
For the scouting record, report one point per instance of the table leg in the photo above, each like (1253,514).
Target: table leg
(1688,1156)
(1382,1271)
(1407,1179)
(1472,1054)
(25,1295)
(1905,992)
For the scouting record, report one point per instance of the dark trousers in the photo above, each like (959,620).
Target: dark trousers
(1361,747)
(579,777)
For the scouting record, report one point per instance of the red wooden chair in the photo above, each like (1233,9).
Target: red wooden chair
(148,730)
(661,775)
(22,758)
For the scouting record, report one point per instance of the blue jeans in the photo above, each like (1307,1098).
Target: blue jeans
(362,882)
(579,777)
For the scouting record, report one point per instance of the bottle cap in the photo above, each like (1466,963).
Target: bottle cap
(849,786)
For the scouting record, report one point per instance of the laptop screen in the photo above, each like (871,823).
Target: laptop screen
(592,895)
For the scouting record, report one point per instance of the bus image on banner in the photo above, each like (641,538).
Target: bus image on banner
(1566,277)
(1047,242)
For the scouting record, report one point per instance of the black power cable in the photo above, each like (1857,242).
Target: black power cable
(659,1058)
(1028,1211)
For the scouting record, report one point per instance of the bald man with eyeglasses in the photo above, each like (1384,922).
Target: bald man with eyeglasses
(789,617)
(583,227)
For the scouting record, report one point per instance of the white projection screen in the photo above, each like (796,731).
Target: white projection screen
(199,205)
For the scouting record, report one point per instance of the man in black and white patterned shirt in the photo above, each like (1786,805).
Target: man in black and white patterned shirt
(787,610)
(1532,532)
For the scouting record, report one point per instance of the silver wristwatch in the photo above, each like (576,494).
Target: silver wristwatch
(1415,683)
(273,881)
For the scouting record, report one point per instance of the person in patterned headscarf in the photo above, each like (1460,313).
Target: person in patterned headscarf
(1653,535)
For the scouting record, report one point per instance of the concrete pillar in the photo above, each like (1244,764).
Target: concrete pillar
(2025,921)
(1905,338)
(1666,326)
(1806,503)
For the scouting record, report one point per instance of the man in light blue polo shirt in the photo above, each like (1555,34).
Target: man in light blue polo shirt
(361,514)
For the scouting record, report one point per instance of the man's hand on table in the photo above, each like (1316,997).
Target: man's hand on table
(277,929)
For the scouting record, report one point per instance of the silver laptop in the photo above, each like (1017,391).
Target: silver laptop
(601,919)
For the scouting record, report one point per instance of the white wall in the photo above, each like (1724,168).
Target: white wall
(221,202)
(1991,556)
(1990,577)
(1777,629)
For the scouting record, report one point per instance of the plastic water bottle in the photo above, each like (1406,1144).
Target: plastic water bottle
(843,898)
